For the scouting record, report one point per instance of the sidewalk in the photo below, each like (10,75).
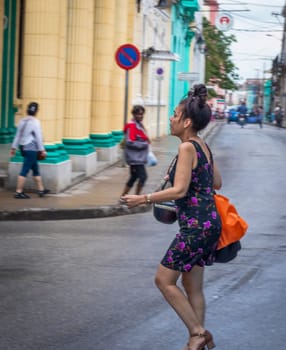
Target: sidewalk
(97,196)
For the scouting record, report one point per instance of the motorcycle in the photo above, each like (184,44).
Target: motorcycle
(241,119)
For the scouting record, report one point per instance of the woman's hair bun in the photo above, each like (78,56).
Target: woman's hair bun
(196,108)
(201,92)
(200,89)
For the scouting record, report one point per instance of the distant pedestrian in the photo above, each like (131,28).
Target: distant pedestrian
(136,148)
(260,116)
(257,112)
(194,177)
(278,113)
(29,139)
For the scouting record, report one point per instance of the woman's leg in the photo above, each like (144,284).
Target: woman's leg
(20,183)
(142,175)
(36,174)
(131,180)
(125,191)
(193,282)
(39,183)
(27,164)
(166,281)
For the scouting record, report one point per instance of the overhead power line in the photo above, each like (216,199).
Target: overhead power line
(262,5)
(244,3)
(223,10)
(257,30)
(252,55)
(257,23)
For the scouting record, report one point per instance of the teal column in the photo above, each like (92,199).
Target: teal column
(117,135)
(267,98)
(103,140)
(78,146)
(7,110)
(182,15)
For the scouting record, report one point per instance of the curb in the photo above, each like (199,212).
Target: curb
(37,214)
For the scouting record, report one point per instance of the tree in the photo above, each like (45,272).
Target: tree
(220,70)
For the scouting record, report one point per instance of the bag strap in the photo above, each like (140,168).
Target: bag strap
(210,152)
(211,155)
(171,166)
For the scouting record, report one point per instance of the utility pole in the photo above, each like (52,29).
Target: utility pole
(283,64)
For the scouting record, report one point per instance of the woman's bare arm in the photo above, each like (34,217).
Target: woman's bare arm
(217,178)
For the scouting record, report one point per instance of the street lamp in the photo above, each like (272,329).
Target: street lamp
(200,41)
(162,4)
(201,44)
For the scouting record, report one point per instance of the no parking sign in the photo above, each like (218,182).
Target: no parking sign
(127,56)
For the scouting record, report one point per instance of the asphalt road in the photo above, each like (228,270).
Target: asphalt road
(88,284)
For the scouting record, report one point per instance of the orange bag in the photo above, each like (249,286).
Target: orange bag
(233,226)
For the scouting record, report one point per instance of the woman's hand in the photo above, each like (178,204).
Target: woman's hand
(132,200)
(12,152)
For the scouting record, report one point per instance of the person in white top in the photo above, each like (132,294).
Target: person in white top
(29,139)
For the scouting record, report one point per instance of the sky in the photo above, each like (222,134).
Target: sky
(258,32)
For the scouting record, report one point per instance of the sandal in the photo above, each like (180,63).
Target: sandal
(187,347)
(208,341)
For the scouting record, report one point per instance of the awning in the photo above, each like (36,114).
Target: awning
(159,55)
(188,76)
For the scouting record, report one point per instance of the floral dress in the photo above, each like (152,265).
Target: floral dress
(200,224)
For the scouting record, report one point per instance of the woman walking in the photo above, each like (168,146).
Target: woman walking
(29,139)
(194,177)
(136,150)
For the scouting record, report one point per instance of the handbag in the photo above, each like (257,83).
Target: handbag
(234,228)
(41,155)
(227,253)
(165,212)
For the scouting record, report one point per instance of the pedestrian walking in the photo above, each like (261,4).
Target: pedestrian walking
(278,113)
(136,148)
(29,139)
(257,113)
(194,176)
(260,116)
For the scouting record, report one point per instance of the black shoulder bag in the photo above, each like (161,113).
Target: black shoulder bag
(165,212)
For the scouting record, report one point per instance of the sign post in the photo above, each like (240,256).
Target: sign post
(160,77)
(127,56)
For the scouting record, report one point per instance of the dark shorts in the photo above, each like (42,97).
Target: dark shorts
(137,171)
(30,163)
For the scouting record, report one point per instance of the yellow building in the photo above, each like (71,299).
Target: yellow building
(61,54)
